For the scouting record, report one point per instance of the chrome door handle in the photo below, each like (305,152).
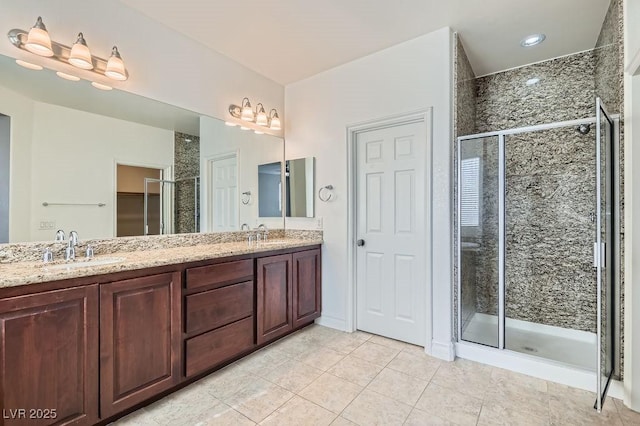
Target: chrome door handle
(360,243)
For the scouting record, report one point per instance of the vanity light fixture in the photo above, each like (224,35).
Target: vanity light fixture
(28,65)
(258,116)
(38,41)
(80,55)
(247,111)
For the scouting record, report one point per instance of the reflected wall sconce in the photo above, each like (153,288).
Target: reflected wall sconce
(38,42)
(245,112)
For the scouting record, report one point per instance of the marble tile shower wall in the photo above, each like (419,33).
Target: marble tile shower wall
(609,86)
(549,194)
(187,165)
(464,123)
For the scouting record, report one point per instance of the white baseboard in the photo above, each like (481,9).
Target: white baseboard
(442,350)
(327,321)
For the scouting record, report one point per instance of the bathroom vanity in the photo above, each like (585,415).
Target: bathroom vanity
(87,345)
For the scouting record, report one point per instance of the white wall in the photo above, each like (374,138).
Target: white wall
(5,167)
(632,209)
(162,63)
(411,76)
(74,155)
(217,139)
(20,109)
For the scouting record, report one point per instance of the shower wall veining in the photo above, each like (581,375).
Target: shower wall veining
(550,181)
(187,165)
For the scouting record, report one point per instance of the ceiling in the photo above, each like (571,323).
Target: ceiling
(289,40)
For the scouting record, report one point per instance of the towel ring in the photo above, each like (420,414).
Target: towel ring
(246,197)
(328,190)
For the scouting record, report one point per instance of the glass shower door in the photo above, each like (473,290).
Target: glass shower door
(603,250)
(479,232)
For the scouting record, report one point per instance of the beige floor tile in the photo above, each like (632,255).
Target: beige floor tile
(450,405)
(414,364)
(226,382)
(628,416)
(572,411)
(501,377)
(293,375)
(292,346)
(298,411)
(504,413)
(422,418)
(399,386)
(221,415)
(262,361)
(341,421)
(355,370)
(321,358)
(137,418)
(259,399)
(347,343)
(183,406)
(527,401)
(371,408)
(392,343)
(464,378)
(331,392)
(375,353)
(578,399)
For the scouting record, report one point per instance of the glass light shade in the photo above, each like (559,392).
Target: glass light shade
(261,117)
(28,65)
(80,55)
(101,86)
(67,76)
(38,40)
(247,113)
(275,122)
(115,66)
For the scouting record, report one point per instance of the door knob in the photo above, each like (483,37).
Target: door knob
(360,243)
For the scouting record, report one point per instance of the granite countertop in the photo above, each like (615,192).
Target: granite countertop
(24,273)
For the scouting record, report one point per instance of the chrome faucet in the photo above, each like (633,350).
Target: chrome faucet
(265,232)
(245,227)
(59,235)
(70,252)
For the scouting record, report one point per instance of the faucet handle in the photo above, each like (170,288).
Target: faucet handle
(73,238)
(47,256)
(59,235)
(89,252)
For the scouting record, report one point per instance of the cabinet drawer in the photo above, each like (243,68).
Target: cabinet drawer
(210,349)
(215,308)
(221,274)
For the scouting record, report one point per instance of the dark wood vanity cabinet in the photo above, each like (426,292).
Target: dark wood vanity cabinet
(140,338)
(219,321)
(87,349)
(49,353)
(288,293)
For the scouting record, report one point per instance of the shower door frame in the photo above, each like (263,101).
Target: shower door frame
(501,134)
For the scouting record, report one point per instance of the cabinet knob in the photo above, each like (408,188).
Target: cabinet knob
(360,243)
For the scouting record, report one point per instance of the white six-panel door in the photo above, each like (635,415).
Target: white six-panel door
(224,195)
(390,221)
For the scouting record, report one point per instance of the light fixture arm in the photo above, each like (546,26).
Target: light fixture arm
(61,52)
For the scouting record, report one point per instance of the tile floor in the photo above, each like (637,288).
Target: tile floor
(320,376)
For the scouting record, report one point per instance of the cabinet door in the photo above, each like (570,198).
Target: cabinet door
(140,326)
(49,353)
(306,287)
(274,297)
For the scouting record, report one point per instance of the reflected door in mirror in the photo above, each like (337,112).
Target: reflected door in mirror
(270,190)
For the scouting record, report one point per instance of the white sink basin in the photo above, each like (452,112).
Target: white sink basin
(87,263)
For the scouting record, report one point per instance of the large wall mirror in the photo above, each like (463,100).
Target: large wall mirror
(76,158)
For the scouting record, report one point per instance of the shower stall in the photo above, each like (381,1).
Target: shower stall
(536,249)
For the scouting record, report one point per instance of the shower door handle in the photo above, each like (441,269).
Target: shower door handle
(599,255)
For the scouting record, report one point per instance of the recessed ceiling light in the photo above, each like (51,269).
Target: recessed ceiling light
(533,81)
(244,128)
(67,76)
(532,40)
(28,65)
(230,124)
(101,86)
(258,132)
